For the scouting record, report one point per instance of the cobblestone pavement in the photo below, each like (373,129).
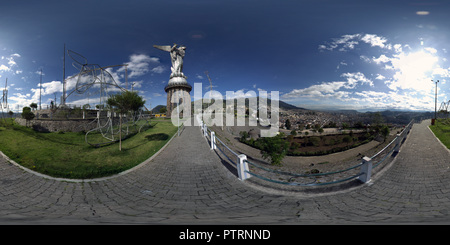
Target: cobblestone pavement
(187,183)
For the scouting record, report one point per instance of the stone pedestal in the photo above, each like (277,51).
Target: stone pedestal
(178,91)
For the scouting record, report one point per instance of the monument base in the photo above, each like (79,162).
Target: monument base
(178,95)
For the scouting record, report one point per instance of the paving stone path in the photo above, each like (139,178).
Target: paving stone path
(187,183)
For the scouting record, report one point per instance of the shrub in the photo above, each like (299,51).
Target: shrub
(27,114)
(274,148)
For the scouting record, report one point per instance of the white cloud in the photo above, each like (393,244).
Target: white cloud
(441,72)
(422,13)
(403,76)
(331,89)
(382,59)
(139,65)
(136,84)
(354,78)
(380,77)
(349,42)
(430,50)
(18,100)
(365,59)
(393,100)
(346,41)
(11,63)
(398,48)
(315,92)
(4,68)
(375,40)
(52,87)
(342,63)
(235,95)
(158,69)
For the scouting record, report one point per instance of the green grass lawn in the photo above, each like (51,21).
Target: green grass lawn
(442,131)
(67,155)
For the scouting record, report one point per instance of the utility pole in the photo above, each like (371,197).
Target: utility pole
(63,99)
(210,84)
(40,92)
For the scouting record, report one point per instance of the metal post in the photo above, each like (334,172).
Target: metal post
(366,170)
(398,141)
(213,140)
(178,115)
(242,167)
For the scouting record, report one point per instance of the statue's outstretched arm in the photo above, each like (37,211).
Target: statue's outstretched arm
(167,48)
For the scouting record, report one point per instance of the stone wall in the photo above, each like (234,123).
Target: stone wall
(79,125)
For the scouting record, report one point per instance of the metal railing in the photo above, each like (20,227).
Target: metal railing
(361,171)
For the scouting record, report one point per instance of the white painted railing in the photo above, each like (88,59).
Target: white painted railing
(366,165)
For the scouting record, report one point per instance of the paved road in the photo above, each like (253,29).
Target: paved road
(187,183)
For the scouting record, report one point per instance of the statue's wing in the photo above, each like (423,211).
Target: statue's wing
(167,48)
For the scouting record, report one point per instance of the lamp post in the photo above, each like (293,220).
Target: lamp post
(178,111)
(435,102)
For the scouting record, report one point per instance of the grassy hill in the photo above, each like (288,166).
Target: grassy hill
(442,131)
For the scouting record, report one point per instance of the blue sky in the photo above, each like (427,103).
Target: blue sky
(318,54)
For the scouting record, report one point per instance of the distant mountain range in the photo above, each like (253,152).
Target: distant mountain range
(282,105)
(403,117)
(390,116)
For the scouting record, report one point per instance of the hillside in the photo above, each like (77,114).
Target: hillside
(156,109)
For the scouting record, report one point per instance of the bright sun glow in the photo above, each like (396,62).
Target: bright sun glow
(414,70)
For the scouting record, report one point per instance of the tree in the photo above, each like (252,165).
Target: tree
(27,114)
(33,106)
(244,135)
(293,132)
(123,103)
(274,148)
(288,124)
(385,132)
(320,130)
(11,113)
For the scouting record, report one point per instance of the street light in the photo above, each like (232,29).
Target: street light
(435,102)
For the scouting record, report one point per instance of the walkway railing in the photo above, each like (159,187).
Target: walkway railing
(361,171)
